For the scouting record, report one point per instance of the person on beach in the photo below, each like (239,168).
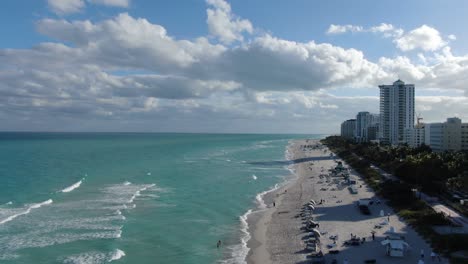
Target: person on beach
(274,204)
(218,244)
(388,217)
(433,255)
(373,235)
(422,253)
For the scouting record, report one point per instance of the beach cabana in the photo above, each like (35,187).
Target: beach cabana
(315,232)
(395,246)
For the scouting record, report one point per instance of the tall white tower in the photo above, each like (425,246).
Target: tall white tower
(396,111)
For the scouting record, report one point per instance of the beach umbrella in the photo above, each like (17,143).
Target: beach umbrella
(316,232)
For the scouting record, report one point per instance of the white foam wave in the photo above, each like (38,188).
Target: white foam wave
(259,197)
(94,257)
(27,210)
(254,176)
(117,254)
(72,187)
(239,251)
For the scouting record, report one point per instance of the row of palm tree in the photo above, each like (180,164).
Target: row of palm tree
(433,172)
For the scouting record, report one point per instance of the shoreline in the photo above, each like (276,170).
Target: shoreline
(277,235)
(259,220)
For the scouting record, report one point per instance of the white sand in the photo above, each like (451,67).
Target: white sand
(277,236)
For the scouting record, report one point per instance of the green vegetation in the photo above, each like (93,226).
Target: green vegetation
(434,173)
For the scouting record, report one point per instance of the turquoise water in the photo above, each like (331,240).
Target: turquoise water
(131,198)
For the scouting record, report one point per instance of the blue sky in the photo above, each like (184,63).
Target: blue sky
(216,66)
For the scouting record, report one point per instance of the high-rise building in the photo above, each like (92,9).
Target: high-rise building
(464,136)
(362,122)
(347,128)
(366,126)
(445,136)
(396,111)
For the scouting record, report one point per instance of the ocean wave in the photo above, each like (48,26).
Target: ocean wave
(259,197)
(117,254)
(239,251)
(42,239)
(94,257)
(22,211)
(254,177)
(72,187)
(100,216)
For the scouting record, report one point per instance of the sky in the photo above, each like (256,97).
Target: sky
(221,66)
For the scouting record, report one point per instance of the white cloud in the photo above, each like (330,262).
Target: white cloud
(424,37)
(388,30)
(116,3)
(452,37)
(340,29)
(63,7)
(129,42)
(127,70)
(223,24)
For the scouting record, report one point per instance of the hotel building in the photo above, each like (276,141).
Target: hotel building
(396,111)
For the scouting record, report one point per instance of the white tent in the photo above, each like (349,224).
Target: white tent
(395,247)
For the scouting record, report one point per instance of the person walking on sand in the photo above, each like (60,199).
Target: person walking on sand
(388,217)
(274,204)
(422,253)
(373,235)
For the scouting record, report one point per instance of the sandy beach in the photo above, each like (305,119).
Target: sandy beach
(278,234)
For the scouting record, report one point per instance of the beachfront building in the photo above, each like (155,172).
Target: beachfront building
(362,120)
(366,124)
(347,128)
(373,132)
(445,136)
(464,136)
(396,111)
(415,137)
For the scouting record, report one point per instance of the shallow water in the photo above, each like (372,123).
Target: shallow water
(132,198)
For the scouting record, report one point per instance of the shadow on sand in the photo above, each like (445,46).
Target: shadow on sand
(288,162)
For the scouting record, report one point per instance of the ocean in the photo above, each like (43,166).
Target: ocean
(133,197)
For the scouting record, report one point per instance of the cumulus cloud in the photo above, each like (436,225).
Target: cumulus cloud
(63,7)
(424,37)
(387,30)
(116,3)
(340,29)
(223,24)
(127,71)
